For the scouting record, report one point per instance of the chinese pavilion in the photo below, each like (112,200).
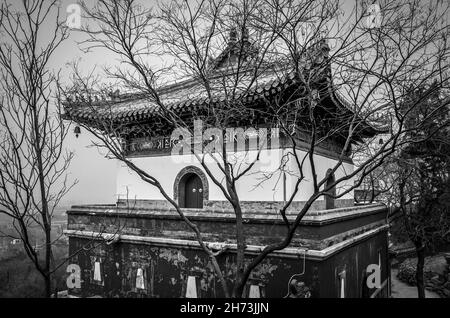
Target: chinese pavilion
(156,255)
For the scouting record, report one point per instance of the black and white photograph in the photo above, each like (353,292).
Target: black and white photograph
(236,150)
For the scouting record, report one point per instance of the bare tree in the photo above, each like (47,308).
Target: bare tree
(415,181)
(316,51)
(33,160)
(33,157)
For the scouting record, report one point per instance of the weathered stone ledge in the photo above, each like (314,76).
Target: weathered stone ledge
(311,218)
(293,252)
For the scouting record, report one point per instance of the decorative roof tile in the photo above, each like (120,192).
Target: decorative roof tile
(184,97)
(191,94)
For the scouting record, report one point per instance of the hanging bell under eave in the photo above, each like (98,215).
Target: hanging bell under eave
(77,131)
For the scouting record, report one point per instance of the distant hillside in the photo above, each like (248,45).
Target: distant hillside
(59,214)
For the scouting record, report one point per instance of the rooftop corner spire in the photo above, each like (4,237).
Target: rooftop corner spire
(232,36)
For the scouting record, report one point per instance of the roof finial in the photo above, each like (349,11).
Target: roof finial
(233,36)
(245,35)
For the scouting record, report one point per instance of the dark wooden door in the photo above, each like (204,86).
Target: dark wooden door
(194,192)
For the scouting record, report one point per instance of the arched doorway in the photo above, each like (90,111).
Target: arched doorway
(329,199)
(187,177)
(191,191)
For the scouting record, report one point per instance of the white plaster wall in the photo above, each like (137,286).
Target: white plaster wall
(262,183)
(322,164)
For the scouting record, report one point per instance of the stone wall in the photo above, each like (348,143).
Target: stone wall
(166,270)
(247,206)
(315,231)
(150,270)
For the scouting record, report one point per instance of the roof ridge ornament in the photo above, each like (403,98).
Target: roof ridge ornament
(233,49)
(232,39)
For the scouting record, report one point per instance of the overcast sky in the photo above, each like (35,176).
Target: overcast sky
(96,175)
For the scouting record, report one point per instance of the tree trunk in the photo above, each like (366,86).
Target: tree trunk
(420,251)
(48,256)
(240,254)
(48,286)
(46,218)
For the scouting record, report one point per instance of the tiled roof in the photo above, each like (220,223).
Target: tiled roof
(191,94)
(188,95)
